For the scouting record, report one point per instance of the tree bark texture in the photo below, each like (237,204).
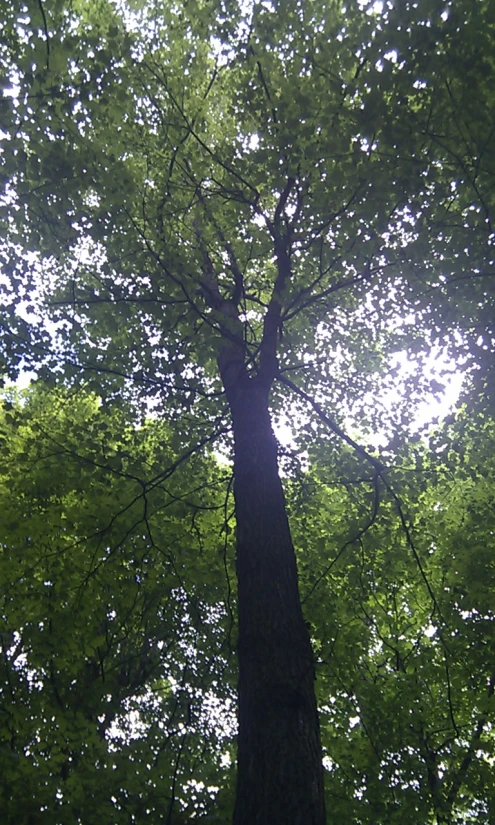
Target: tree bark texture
(280,773)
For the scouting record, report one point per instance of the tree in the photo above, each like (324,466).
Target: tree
(107,607)
(401,621)
(232,208)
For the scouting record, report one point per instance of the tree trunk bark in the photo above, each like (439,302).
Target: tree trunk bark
(280,773)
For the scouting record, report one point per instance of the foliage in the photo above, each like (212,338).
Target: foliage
(401,615)
(116,634)
(314,182)
(156,150)
(114,614)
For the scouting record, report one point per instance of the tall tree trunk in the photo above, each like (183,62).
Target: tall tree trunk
(280,773)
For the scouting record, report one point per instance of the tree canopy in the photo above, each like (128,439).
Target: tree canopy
(217,215)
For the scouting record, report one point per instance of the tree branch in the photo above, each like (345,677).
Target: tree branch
(375,463)
(471,751)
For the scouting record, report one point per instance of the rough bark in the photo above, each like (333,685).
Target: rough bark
(280,774)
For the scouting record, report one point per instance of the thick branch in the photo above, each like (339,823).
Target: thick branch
(233,264)
(271,324)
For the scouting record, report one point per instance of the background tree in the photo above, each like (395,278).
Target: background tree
(233,206)
(402,621)
(114,617)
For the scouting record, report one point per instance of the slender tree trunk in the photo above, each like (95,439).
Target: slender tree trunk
(280,773)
